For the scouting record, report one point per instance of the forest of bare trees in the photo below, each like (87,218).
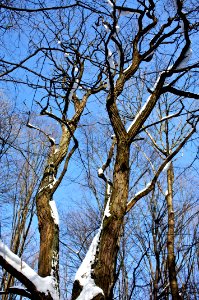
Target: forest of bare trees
(99,150)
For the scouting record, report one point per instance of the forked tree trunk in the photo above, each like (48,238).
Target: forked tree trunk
(171,237)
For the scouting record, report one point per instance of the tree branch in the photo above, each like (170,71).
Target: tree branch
(151,185)
(177,92)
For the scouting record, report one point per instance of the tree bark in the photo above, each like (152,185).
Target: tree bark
(105,263)
(170,237)
(49,238)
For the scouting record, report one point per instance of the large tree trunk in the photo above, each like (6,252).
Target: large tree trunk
(105,265)
(49,239)
(171,237)
(48,264)
(103,269)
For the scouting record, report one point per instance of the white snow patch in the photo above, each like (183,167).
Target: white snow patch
(166,193)
(110,3)
(59,42)
(89,291)
(150,54)
(144,189)
(51,185)
(117,27)
(106,27)
(44,285)
(83,274)
(100,171)
(127,68)
(54,212)
(107,208)
(66,54)
(111,60)
(74,88)
(157,80)
(186,59)
(138,114)
(167,166)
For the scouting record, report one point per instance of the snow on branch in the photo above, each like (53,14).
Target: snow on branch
(110,3)
(111,60)
(73,89)
(167,166)
(26,275)
(84,273)
(138,114)
(51,139)
(185,60)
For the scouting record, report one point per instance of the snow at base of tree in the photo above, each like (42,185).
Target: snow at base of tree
(54,212)
(44,285)
(84,272)
(89,291)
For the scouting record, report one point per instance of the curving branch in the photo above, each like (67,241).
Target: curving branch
(150,186)
(35,284)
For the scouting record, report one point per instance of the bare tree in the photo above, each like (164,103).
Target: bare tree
(120,45)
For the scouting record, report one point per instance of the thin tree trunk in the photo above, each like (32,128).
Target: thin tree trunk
(18,240)
(170,237)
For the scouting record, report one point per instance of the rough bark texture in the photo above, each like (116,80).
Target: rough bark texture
(105,264)
(49,231)
(170,237)
(49,236)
